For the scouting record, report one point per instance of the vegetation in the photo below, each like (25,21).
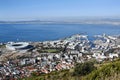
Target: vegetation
(49,51)
(2,46)
(55,75)
(110,71)
(84,71)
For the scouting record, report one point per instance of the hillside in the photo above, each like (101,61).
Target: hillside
(110,71)
(104,71)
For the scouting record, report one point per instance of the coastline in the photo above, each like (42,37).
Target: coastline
(49,56)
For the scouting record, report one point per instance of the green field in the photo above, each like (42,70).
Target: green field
(49,51)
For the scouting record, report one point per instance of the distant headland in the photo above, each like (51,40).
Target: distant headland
(112,21)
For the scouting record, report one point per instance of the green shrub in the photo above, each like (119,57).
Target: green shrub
(82,69)
(105,71)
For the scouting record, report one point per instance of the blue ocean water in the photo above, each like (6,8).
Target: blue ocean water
(43,32)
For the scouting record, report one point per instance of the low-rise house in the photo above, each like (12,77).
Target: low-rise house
(111,55)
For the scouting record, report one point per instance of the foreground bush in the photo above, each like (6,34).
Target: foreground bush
(106,72)
(82,69)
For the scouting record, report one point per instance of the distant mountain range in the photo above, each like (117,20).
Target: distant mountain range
(78,21)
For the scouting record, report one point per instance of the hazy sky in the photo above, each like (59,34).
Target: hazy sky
(42,9)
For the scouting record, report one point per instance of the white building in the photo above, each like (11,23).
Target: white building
(18,46)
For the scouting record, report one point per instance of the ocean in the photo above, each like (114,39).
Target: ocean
(45,32)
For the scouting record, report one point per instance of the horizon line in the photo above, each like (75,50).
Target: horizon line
(63,18)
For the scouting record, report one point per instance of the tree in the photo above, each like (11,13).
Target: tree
(83,68)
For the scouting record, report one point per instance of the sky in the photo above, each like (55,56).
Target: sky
(51,9)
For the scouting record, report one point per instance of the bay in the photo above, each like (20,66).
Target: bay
(44,32)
